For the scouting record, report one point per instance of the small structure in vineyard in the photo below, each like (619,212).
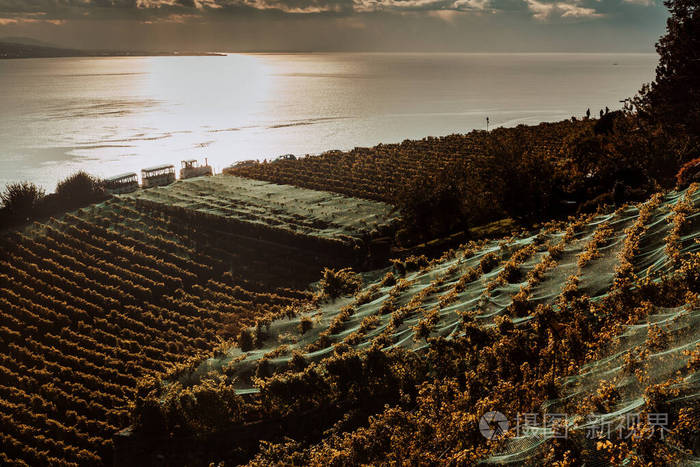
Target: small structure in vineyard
(246,163)
(158,175)
(191,168)
(286,157)
(123,183)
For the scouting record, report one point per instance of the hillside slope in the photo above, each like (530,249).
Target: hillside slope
(135,287)
(597,316)
(96,300)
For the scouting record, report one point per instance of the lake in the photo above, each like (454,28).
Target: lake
(114,115)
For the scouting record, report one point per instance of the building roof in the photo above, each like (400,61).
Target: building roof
(117,177)
(158,167)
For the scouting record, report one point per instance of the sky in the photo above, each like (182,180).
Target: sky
(340,25)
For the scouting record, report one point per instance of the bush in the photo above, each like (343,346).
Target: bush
(434,205)
(388,280)
(341,282)
(298,361)
(79,189)
(305,324)
(245,340)
(21,199)
(25,201)
(689,173)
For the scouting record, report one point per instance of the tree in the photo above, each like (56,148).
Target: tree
(20,199)
(672,101)
(79,189)
(434,204)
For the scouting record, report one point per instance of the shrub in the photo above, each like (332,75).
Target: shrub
(25,201)
(245,340)
(388,306)
(488,262)
(341,282)
(388,280)
(298,361)
(434,203)
(367,295)
(338,323)
(21,199)
(263,369)
(305,324)
(79,189)
(689,173)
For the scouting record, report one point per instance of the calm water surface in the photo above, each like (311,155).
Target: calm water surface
(113,115)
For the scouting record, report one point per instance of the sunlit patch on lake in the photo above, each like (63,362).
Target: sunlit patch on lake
(113,115)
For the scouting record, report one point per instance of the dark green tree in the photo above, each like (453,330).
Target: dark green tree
(672,101)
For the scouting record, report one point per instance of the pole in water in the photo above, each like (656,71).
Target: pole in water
(487,124)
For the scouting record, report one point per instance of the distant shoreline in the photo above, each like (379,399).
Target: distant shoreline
(115,56)
(12,50)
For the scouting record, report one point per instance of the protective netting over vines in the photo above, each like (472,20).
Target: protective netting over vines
(652,352)
(271,206)
(485,279)
(489,283)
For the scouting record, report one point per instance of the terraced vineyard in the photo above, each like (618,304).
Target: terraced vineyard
(135,287)
(283,207)
(382,172)
(597,316)
(94,301)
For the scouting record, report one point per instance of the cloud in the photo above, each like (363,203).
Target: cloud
(365,6)
(540,10)
(646,3)
(470,5)
(28,20)
(574,11)
(196,11)
(32,17)
(544,11)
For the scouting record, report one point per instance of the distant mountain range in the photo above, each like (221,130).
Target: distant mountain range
(26,41)
(25,47)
